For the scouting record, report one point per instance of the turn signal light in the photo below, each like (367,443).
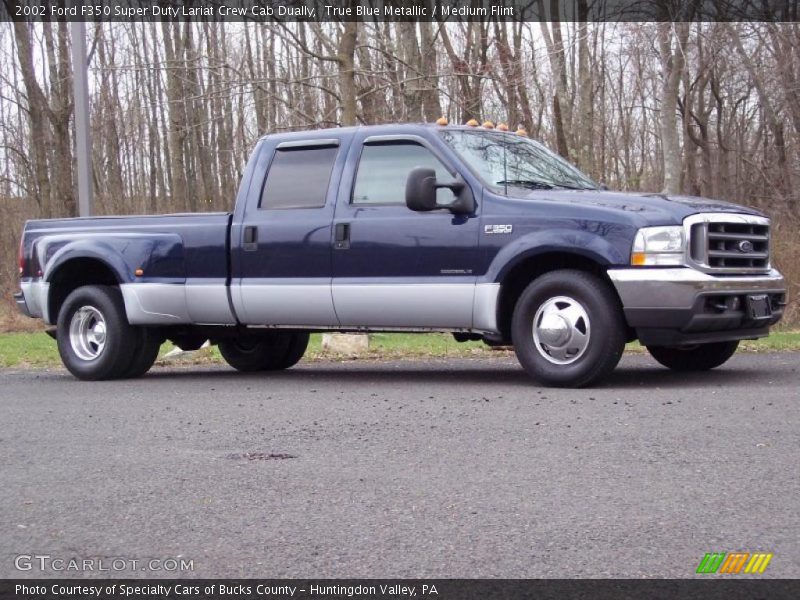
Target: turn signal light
(638,259)
(138,272)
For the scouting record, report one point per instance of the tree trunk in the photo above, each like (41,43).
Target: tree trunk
(347,72)
(177,117)
(37,118)
(672,64)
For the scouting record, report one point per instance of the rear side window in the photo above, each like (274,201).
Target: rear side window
(298,178)
(384,168)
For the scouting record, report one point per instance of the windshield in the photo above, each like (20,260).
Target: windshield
(507,160)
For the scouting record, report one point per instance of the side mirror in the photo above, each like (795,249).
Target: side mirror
(421,187)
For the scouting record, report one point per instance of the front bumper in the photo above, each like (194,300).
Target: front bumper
(684,306)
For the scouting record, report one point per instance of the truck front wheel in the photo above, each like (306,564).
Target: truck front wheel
(271,352)
(93,334)
(701,357)
(568,329)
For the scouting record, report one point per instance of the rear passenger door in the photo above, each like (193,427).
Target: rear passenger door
(394,267)
(283,272)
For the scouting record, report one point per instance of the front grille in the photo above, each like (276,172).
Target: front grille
(725,244)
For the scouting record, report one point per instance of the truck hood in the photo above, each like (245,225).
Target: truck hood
(651,207)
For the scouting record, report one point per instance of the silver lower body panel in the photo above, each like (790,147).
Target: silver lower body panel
(317,305)
(35,294)
(405,305)
(177,304)
(285,303)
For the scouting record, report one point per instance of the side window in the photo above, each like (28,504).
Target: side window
(384,168)
(298,178)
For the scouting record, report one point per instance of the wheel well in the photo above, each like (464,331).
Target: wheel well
(73,274)
(518,278)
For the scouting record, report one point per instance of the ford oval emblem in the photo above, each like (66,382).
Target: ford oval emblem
(745,246)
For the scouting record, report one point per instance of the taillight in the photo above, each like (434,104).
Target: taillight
(21,257)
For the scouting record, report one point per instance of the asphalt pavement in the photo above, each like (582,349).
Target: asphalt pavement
(436,468)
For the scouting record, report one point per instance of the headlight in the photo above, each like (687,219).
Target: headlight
(657,246)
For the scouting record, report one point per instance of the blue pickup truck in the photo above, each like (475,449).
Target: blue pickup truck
(470,230)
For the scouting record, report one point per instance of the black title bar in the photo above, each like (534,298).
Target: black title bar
(399,10)
(388,589)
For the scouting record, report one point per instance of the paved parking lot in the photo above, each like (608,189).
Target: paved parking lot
(442,468)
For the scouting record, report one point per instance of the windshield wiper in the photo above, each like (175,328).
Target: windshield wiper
(527,183)
(533,184)
(564,186)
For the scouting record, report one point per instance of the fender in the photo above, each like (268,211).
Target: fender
(592,246)
(159,255)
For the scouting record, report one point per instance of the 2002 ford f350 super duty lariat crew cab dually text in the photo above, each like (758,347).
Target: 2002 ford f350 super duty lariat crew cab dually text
(475,231)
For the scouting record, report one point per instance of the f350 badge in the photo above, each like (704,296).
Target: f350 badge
(498,228)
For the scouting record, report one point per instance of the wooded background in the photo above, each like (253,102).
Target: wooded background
(711,109)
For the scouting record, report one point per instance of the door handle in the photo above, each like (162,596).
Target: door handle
(250,239)
(341,237)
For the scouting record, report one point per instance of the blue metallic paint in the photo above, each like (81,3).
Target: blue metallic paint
(161,256)
(169,248)
(391,241)
(291,242)
(539,227)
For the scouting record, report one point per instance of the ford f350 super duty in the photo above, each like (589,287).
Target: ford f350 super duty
(469,230)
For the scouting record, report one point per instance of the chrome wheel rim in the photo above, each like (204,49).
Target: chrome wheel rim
(561,330)
(87,333)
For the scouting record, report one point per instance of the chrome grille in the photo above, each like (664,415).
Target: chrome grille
(723,243)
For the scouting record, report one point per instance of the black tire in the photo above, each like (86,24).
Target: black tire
(147,346)
(588,347)
(83,310)
(296,350)
(271,352)
(701,357)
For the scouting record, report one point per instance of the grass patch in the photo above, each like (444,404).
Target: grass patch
(39,350)
(412,345)
(28,350)
(381,346)
(778,341)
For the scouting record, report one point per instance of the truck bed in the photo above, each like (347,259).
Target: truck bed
(178,263)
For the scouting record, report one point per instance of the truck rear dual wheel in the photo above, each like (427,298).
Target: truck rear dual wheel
(148,343)
(568,329)
(270,352)
(96,341)
(701,357)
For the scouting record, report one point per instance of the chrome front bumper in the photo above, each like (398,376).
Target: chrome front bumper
(683,305)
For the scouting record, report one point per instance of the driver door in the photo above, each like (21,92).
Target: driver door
(394,267)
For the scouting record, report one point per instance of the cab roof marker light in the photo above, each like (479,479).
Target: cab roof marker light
(502,127)
(488,125)
(442,121)
(472,123)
